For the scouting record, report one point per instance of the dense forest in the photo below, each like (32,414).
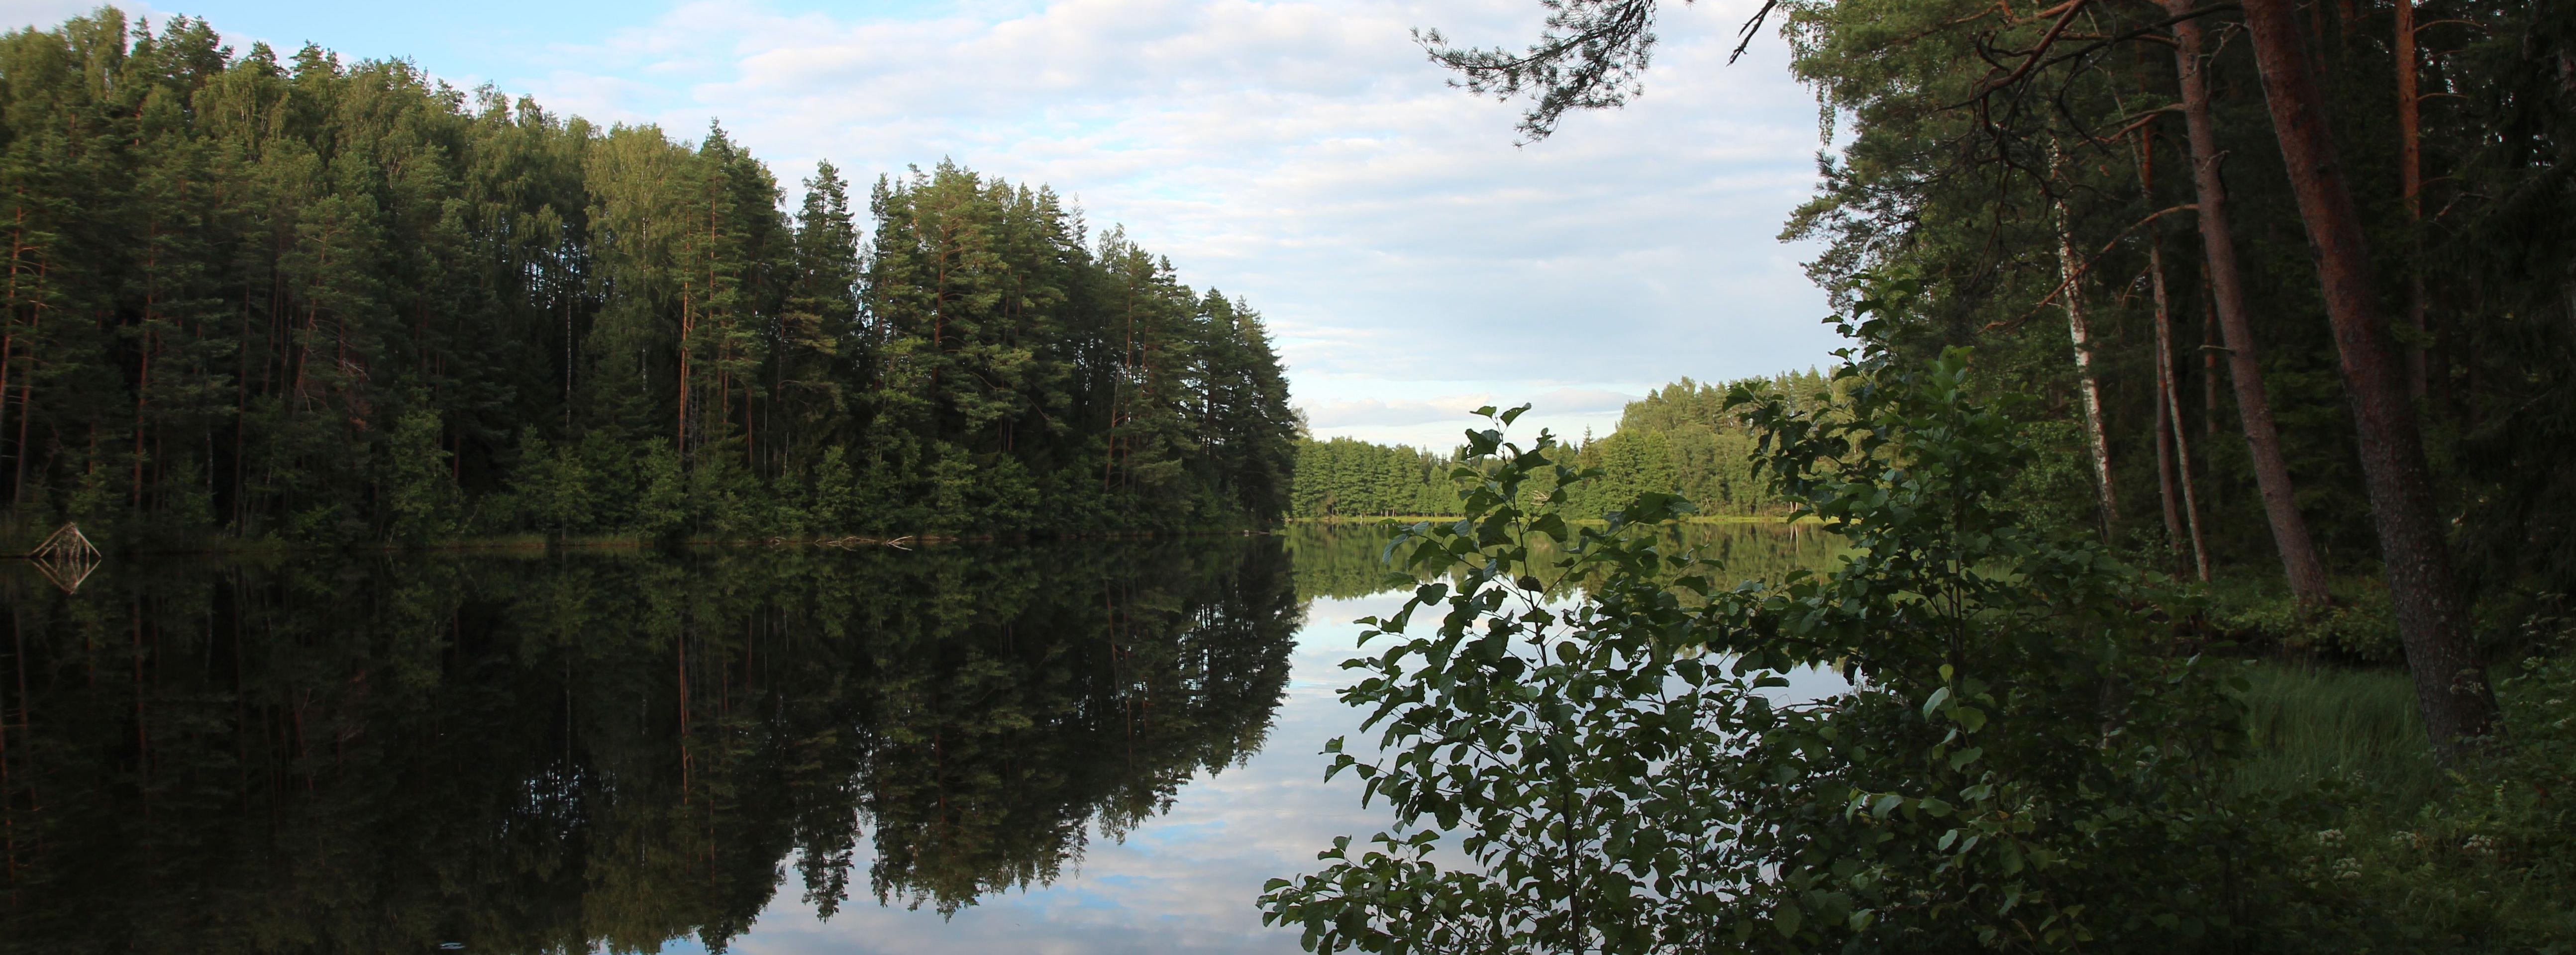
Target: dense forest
(1679,439)
(609,751)
(2265,350)
(2282,293)
(329,302)
(2270,295)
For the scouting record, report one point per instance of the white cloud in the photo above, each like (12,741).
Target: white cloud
(1457,410)
(48,14)
(1306,155)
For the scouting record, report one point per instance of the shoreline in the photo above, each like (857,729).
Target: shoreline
(532,543)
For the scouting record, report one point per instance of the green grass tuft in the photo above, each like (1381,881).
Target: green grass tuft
(2310,724)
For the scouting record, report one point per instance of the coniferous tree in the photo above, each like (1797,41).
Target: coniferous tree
(305,298)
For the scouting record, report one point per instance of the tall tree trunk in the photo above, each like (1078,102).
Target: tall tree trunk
(2410,184)
(2169,406)
(2299,564)
(9,328)
(2088,384)
(26,413)
(688,328)
(2449,683)
(2168,397)
(2166,493)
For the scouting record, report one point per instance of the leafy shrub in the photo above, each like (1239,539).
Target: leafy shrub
(2020,763)
(2359,628)
(2486,866)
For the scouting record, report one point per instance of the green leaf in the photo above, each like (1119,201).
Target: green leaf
(1970,718)
(1786,918)
(1933,705)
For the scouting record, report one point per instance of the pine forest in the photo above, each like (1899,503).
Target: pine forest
(330,302)
(1679,439)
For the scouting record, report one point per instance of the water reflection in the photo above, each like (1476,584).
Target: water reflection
(616,751)
(951,749)
(1343,560)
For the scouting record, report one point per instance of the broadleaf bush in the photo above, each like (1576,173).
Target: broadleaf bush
(2023,759)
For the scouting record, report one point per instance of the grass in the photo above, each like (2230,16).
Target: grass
(2312,723)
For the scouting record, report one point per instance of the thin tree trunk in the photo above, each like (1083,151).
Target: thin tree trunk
(9,332)
(680,424)
(2169,403)
(2165,492)
(26,412)
(2209,393)
(2168,399)
(2410,183)
(2088,385)
(2449,683)
(2299,564)
(151,343)
(567,317)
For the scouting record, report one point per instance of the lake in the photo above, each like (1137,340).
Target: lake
(1086,747)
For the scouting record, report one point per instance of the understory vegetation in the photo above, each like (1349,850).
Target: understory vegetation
(2036,749)
(2221,608)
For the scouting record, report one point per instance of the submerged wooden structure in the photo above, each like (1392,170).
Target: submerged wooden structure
(66,557)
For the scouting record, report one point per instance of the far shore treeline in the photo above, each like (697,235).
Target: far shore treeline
(327,302)
(1679,439)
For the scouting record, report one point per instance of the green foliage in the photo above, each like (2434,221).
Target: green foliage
(2357,628)
(664,506)
(2485,865)
(1343,478)
(246,285)
(2019,763)
(2355,729)
(1680,439)
(1939,167)
(421,498)
(554,490)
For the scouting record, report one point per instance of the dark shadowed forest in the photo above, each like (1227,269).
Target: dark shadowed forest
(609,751)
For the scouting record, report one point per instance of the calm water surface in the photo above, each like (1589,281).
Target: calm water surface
(1103,747)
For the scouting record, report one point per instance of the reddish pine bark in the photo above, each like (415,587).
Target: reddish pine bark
(2299,564)
(2410,184)
(2450,685)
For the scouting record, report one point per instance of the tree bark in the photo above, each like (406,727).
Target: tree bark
(2169,408)
(2450,685)
(2168,398)
(2088,384)
(2410,184)
(2166,494)
(2299,564)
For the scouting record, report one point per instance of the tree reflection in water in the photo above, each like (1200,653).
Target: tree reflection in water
(571,752)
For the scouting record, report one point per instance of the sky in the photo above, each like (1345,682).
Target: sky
(1412,257)
(1183,882)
